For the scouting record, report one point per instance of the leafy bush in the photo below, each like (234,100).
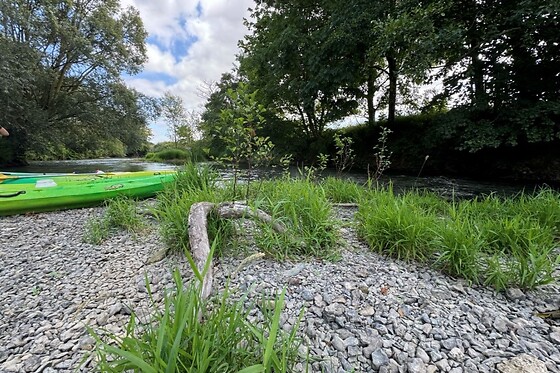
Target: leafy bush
(169,155)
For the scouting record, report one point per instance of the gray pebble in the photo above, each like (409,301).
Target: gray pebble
(425,321)
(379,358)
(416,366)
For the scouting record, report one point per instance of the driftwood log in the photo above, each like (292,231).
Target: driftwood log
(198,232)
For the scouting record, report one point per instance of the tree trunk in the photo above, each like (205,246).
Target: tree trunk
(480,98)
(370,97)
(525,81)
(392,67)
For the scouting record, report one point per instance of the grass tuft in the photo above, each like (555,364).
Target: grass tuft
(493,241)
(303,208)
(121,213)
(193,184)
(341,191)
(176,340)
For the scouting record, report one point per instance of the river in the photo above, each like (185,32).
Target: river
(445,186)
(92,165)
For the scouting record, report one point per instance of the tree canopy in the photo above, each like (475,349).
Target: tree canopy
(180,122)
(494,62)
(61,72)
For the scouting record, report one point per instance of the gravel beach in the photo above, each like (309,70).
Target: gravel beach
(364,313)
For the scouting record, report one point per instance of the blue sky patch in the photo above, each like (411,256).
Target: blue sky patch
(157,76)
(179,47)
(199,9)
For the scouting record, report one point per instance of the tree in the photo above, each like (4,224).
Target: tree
(313,61)
(403,45)
(285,59)
(316,59)
(179,127)
(502,64)
(211,119)
(73,55)
(350,37)
(240,123)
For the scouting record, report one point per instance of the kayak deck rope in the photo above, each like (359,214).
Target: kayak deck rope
(12,194)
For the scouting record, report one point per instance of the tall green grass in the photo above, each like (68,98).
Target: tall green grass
(491,240)
(302,206)
(193,184)
(341,191)
(398,226)
(189,334)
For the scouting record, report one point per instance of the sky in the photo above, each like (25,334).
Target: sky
(190,43)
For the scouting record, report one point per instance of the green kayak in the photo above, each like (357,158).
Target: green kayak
(32,178)
(47,194)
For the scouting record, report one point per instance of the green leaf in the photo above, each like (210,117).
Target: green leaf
(258,368)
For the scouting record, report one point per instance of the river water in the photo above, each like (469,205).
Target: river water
(92,165)
(445,186)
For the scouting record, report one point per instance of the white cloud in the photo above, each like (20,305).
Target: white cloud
(149,87)
(160,61)
(216,31)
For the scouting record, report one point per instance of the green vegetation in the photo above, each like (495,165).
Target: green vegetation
(499,242)
(169,155)
(193,184)
(166,151)
(341,191)
(313,63)
(121,213)
(304,209)
(344,155)
(180,122)
(318,61)
(304,67)
(62,90)
(300,205)
(492,241)
(238,131)
(175,340)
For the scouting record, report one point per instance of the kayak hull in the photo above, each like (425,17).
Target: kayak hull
(25,198)
(7,178)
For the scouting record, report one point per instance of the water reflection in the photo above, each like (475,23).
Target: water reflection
(444,186)
(92,165)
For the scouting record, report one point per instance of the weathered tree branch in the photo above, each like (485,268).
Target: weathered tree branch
(236,210)
(199,242)
(198,232)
